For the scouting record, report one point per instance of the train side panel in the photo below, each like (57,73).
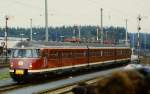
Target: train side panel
(62,59)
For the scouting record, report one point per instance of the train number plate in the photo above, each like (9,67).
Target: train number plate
(19,72)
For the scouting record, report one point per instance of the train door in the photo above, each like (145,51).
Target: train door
(59,61)
(59,58)
(88,56)
(54,58)
(46,59)
(44,55)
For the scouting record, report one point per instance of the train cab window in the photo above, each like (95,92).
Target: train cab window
(28,53)
(22,53)
(25,53)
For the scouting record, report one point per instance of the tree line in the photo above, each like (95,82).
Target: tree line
(88,33)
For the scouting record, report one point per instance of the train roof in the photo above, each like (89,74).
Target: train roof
(64,45)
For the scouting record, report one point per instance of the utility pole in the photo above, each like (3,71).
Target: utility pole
(145,42)
(101,25)
(97,33)
(106,36)
(138,37)
(74,32)
(79,32)
(46,22)
(126,41)
(6,33)
(133,41)
(31,29)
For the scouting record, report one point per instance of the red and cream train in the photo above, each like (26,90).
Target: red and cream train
(29,61)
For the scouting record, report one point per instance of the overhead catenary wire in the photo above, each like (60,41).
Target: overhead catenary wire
(36,8)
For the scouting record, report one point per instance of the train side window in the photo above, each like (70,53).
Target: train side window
(92,53)
(78,54)
(53,55)
(84,53)
(42,53)
(36,52)
(124,52)
(97,53)
(121,52)
(66,54)
(101,53)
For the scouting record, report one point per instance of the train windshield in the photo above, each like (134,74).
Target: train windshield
(25,53)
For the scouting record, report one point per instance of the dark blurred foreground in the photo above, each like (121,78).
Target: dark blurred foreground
(135,81)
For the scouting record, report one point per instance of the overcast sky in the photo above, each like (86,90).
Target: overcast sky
(79,12)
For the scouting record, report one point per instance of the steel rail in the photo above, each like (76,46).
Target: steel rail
(8,87)
(67,89)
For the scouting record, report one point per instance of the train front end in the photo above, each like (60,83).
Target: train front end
(22,61)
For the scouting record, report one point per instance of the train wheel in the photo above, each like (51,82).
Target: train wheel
(17,80)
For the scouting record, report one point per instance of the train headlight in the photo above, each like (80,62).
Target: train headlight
(30,66)
(20,63)
(11,65)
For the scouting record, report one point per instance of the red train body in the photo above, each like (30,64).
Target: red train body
(26,62)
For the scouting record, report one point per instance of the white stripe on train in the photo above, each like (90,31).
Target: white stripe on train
(67,67)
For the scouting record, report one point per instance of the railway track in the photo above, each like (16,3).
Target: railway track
(54,86)
(15,86)
(8,87)
(67,89)
(12,86)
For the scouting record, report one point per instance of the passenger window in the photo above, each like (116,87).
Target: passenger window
(36,53)
(53,55)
